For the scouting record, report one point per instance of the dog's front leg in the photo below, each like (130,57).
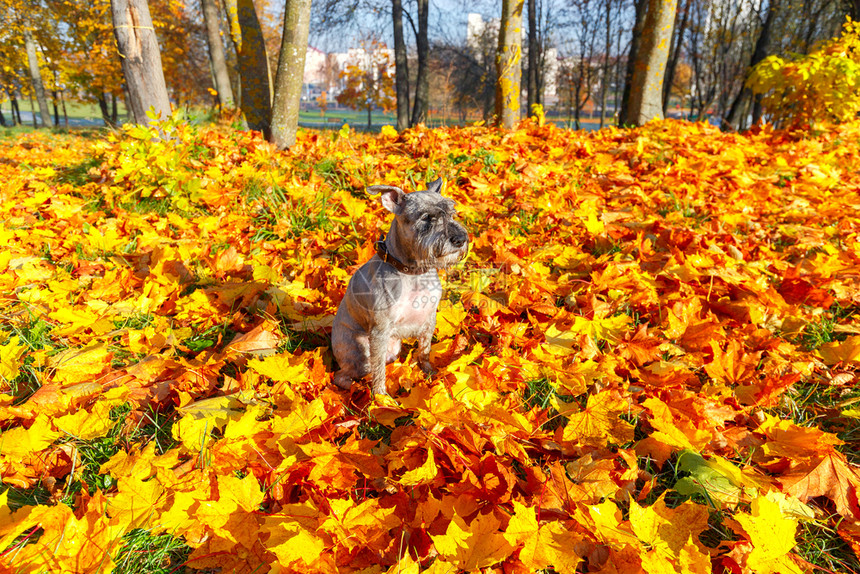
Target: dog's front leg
(425,338)
(379,337)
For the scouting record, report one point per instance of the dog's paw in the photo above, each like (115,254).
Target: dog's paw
(342,380)
(427,368)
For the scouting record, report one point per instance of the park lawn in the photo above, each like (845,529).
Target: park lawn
(648,360)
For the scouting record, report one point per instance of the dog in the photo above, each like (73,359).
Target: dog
(395,295)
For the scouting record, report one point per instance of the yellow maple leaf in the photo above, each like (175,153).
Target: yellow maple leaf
(772,536)
(244,491)
(604,519)
(10,360)
(668,530)
(847,351)
(550,545)
(95,423)
(18,441)
(281,368)
(406,565)
(135,501)
(587,213)
(303,418)
(450,319)
(81,365)
(200,417)
(364,524)
(599,421)
(74,320)
(293,544)
(11,523)
(134,462)
(474,545)
(423,474)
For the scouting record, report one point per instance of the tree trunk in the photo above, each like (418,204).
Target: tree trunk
(608,48)
(65,112)
(508,57)
(33,110)
(36,78)
(103,107)
(221,77)
(2,117)
(532,96)
(401,66)
(645,100)
(641,7)
(141,60)
(114,113)
(762,43)
(16,111)
(290,77)
(675,55)
(254,75)
(854,9)
(56,108)
(422,84)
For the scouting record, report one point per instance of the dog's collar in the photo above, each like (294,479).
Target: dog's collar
(382,251)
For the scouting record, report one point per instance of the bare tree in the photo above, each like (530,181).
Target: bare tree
(141,59)
(719,46)
(800,24)
(681,19)
(533,95)
(579,72)
(735,117)
(336,16)
(640,11)
(541,52)
(255,82)
(401,67)
(649,61)
(422,81)
(607,49)
(36,76)
(291,66)
(212,18)
(471,68)
(508,60)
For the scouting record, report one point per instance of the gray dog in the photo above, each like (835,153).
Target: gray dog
(394,295)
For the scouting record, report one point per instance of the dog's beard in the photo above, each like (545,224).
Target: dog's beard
(434,251)
(443,255)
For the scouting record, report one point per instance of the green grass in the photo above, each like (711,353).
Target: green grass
(74,110)
(824,330)
(538,393)
(821,545)
(77,175)
(279,216)
(818,404)
(92,453)
(89,110)
(153,426)
(34,334)
(145,553)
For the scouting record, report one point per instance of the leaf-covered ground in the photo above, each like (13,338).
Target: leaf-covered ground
(647,362)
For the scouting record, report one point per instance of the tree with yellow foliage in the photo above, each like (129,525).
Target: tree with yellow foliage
(369,83)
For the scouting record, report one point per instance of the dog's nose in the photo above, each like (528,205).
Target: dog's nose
(458,240)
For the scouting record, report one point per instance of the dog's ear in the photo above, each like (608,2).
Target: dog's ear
(437,185)
(391,198)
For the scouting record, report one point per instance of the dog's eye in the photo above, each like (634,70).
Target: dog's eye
(426,218)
